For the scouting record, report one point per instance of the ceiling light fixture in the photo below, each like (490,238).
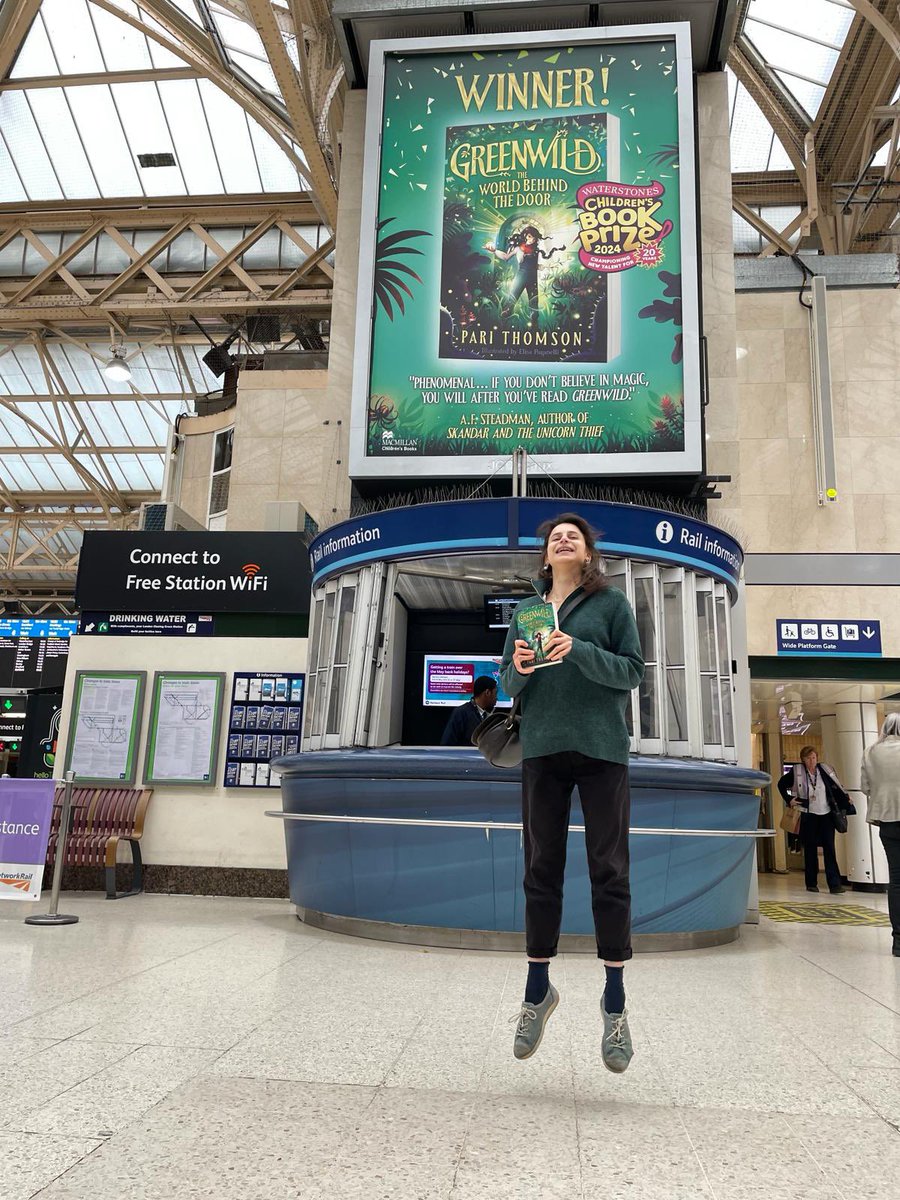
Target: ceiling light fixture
(117,368)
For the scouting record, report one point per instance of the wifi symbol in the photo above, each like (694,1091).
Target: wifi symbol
(250,569)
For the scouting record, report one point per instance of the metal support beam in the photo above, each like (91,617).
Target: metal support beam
(298,109)
(92,78)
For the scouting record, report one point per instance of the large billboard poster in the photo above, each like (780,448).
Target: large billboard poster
(528,269)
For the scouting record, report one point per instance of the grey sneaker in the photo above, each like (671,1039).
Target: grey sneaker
(616,1049)
(531,1021)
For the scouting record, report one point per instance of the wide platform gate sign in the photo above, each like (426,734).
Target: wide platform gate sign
(528,266)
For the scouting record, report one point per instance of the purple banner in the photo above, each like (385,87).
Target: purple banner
(26,808)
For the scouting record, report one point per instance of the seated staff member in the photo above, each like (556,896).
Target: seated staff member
(468,716)
(814,788)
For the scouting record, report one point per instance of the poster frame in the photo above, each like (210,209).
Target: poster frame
(135,729)
(153,722)
(684,462)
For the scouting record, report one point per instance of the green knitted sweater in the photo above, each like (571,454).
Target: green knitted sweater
(580,705)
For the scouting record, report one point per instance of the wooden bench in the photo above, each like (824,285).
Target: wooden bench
(101,818)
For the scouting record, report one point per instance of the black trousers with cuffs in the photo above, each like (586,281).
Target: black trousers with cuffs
(547,786)
(817,829)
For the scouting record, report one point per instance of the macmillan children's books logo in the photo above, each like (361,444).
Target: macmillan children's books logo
(391,444)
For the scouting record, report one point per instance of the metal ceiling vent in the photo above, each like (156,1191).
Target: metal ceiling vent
(157,160)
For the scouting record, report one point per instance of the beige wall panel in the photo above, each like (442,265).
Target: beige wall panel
(766,604)
(208,826)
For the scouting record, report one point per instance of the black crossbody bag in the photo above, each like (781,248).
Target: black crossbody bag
(497,737)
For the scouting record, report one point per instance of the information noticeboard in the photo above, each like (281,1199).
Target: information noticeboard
(528,260)
(104,726)
(183,731)
(265,722)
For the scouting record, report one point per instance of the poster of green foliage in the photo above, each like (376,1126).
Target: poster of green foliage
(528,262)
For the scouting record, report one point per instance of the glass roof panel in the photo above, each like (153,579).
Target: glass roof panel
(123,47)
(807,94)
(83,142)
(72,36)
(278,173)
(147,131)
(104,140)
(194,147)
(36,55)
(800,40)
(54,119)
(11,189)
(230,133)
(27,149)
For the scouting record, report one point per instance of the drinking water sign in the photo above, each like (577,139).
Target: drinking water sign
(528,268)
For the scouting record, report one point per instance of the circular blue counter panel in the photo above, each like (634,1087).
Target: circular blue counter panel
(397,847)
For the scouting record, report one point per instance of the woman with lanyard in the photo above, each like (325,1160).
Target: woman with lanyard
(813,787)
(574,734)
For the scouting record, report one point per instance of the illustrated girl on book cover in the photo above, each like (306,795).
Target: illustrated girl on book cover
(524,246)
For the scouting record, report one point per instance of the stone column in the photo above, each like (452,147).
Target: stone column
(717,297)
(856,727)
(335,483)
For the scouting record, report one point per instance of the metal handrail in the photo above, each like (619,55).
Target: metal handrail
(420,822)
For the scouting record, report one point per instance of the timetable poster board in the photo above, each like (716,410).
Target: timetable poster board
(265,722)
(528,262)
(183,734)
(104,727)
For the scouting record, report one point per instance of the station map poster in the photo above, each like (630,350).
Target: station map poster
(183,733)
(104,727)
(528,264)
(265,722)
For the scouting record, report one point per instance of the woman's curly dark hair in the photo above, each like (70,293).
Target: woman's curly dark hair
(593,577)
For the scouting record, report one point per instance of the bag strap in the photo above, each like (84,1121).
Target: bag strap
(570,607)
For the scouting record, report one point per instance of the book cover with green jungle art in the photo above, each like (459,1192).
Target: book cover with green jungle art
(527,281)
(534,625)
(512,287)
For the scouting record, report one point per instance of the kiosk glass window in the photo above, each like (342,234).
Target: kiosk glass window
(723,643)
(645,611)
(676,665)
(324,662)
(341,656)
(617,573)
(709,664)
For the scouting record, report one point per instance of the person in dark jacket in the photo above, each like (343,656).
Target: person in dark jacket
(573,734)
(468,716)
(814,788)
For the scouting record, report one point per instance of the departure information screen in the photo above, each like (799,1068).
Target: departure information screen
(34,650)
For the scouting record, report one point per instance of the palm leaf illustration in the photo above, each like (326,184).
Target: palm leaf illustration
(389,270)
(666,157)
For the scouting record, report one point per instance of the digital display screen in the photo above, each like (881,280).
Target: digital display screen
(34,651)
(498,610)
(449,678)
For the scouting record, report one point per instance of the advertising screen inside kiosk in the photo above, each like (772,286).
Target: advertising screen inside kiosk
(448,679)
(528,261)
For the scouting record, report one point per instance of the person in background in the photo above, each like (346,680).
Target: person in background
(881,784)
(468,716)
(814,788)
(573,734)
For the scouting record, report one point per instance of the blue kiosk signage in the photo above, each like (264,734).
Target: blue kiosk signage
(512,524)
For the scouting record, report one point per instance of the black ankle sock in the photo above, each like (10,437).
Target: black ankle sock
(614,993)
(538,982)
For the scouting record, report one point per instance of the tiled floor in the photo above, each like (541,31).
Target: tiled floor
(173,1048)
